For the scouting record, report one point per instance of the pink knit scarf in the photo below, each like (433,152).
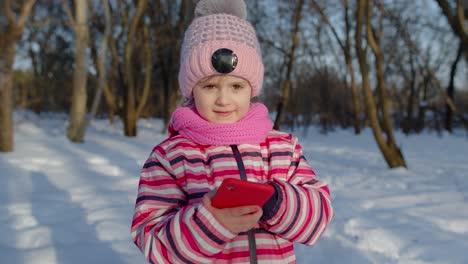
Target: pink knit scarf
(252,128)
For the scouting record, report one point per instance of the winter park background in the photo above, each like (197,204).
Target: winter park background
(64,61)
(62,202)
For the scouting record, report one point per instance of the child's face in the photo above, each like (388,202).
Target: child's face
(222,99)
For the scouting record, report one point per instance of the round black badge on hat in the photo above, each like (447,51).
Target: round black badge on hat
(224,60)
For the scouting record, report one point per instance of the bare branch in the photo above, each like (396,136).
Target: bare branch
(322,13)
(371,36)
(273,45)
(72,22)
(8,13)
(457,24)
(25,11)
(444,5)
(461,19)
(124,11)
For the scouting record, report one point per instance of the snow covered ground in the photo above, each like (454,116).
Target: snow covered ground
(66,203)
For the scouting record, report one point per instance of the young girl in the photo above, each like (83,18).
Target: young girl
(220,134)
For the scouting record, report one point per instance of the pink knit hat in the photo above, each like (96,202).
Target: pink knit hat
(220,41)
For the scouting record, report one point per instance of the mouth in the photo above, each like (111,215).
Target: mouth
(223,113)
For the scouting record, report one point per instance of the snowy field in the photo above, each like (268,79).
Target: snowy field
(66,203)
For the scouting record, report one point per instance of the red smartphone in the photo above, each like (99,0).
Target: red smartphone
(237,192)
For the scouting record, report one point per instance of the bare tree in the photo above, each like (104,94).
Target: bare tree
(169,21)
(387,145)
(48,44)
(9,35)
(101,66)
(144,46)
(451,90)
(457,18)
(79,23)
(346,47)
(407,55)
(130,107)
(286,89)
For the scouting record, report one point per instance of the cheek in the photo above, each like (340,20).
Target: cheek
(203,108)
(245,106)
(200,107)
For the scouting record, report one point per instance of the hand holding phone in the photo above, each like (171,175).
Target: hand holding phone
(236,219)
(236,192)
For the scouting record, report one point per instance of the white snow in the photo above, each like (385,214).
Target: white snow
(62,202)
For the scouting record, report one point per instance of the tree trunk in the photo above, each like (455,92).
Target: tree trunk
(286,91)
(148,69)
(9,35)
(114,80)
(100,67)
(349,61)
(281,107)
(407,124)
(130,117)
(354,90)
(37,91)
(422,106)
(451,90)
(80,74)
(390,151)
(7,54)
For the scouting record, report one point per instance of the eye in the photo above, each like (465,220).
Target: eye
(209,86)
(238,86)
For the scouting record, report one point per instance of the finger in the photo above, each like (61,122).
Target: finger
(210,194)
(253,215)
(244,210)
(259,212)
(252,219)
(206,200)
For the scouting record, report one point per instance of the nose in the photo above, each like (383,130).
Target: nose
(223,97)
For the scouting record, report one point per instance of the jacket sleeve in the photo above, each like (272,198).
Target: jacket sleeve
(302,208)
(165,227)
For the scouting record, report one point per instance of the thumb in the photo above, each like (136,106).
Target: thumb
(206,200)
(210,194)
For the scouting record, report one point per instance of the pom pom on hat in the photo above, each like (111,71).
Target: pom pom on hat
(210,7)
(220,41)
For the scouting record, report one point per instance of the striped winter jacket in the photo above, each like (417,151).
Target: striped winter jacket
(170,224)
